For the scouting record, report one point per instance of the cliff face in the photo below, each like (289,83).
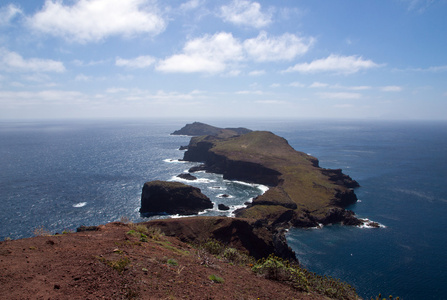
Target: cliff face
(172,198)
(198,129)
(245,235)
(301,193)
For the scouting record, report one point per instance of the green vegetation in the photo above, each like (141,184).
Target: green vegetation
(172,262)
(144,232)
(154,233)
(302,186)
(118,265)
(275,268)
(231,255)
(216,279)
(140,235)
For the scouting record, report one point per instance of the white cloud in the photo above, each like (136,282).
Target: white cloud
(270,102)
(209,54)
(94,20)
(340,95)
(246,13)
(215,53)
(284,47)
(192,4)
(335,63)
(257,92)
(296,84)
(257,73)
(139,62)
(80,63)
(354,88)
(433,69)
(318,85)
(418,5)
(12,61)
(45,96)
(391,88)
(343,105)
(8,13)
(82,77)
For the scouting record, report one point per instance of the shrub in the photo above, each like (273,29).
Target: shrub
(154,233)
(213,247)
(275,268)
(118,265)
(41,231)
(216,279)
(172,262)
(232,255)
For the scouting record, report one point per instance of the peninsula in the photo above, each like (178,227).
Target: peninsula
(301,194)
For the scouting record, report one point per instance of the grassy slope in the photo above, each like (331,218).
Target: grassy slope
(303,183)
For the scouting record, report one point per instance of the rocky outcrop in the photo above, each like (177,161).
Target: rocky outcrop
(252,237)
(222,206)
(187,176)
(163,197)
(198,129)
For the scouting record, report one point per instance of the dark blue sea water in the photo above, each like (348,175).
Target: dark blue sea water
(61,175)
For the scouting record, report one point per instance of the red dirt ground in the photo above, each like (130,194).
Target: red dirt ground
(84,265)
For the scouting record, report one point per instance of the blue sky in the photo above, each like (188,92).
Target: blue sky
(236,58)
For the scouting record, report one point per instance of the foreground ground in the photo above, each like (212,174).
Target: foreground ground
(112,264)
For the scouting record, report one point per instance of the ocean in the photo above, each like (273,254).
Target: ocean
(58,175)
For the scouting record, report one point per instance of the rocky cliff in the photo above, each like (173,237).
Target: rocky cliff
(160,197)
(198,129)
(301,193)
(246,235)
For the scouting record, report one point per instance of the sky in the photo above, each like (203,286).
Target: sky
(109,59)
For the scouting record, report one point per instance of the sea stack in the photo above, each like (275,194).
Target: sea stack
(165,197)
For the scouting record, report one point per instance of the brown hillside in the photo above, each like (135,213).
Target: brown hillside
(111,264)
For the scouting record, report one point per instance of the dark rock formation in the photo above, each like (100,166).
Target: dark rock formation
(258,241)
(187,176)
(172,198)
(223,207)
(183,148)
(87,228)
(197,168)
(337,176)
(197,129)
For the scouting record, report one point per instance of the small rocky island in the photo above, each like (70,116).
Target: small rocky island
(164,197)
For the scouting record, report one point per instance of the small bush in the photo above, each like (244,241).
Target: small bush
(118,265)
(154,233)
(275,268)
(41,231)
(232,255)
(216,279)
(125,220)
(172,262)
(213,247)
(142,236)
